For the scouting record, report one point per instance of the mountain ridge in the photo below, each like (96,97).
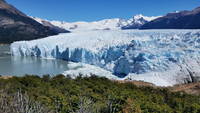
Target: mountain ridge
(178,20)
(105,24)
(15,25)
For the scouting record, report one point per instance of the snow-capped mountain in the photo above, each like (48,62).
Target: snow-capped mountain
(147,18)
(162,57)
(106,24)
(138,20)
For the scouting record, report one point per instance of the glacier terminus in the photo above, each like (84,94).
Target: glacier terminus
(161,57)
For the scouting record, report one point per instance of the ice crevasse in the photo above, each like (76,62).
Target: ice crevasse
(162,57)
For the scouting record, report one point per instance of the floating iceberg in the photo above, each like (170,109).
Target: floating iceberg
(162,57)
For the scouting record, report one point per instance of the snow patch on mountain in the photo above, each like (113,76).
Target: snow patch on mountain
(51,26)
(106,24)
(137,21)
(147,18)
(39,20)
(162,57)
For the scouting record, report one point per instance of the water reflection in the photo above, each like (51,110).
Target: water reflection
(20,66)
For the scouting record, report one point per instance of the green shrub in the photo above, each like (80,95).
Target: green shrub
(62,94)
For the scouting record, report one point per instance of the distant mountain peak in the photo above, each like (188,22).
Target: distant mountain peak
(148,18)
(105,24)
(138,20)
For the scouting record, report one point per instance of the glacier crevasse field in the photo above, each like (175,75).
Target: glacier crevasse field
(162,57)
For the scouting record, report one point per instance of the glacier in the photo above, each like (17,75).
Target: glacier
(161,57)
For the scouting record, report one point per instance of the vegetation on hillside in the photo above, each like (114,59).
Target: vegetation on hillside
(60,94)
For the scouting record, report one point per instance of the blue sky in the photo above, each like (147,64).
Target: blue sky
(92,10)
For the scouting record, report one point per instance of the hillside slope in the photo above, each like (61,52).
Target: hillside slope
(15,25)
(177,20)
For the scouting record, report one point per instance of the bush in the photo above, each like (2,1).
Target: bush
(60,94)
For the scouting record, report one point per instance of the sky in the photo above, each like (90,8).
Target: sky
(94,10)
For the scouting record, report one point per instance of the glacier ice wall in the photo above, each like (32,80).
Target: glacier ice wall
(162,57)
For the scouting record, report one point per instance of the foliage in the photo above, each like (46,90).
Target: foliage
(61,94)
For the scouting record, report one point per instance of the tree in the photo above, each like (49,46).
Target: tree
(20,103)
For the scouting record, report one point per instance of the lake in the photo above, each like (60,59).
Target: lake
(19,66)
